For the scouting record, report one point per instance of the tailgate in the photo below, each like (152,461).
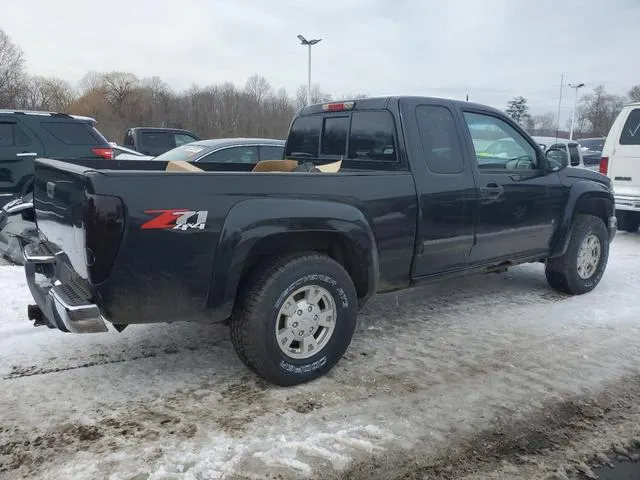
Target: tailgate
(70,219)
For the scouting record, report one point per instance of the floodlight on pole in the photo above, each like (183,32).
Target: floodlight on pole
(309,44)
(575,86)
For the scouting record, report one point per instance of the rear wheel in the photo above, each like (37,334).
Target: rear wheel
(581,267)
(295,318)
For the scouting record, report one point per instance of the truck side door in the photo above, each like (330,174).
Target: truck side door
(516,211)
(445,188)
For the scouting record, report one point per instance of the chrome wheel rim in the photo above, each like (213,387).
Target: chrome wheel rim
(589,256)
(306,322)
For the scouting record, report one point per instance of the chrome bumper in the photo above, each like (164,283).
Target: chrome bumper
(629,203)
(63,301)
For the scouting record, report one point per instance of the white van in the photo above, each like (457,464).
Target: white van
(621,163)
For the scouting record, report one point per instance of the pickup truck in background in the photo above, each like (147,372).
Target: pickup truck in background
(288,259)
(154,141)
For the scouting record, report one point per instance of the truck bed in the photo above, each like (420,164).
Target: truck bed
(168,274)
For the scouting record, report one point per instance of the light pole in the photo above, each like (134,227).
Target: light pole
(576,86)
(309,44)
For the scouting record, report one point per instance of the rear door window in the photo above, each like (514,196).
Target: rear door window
(631,131)
(73,133)
(440,142)
(11,135)
(271,152)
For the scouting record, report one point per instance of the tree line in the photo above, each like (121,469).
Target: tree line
(595,113)
(120,100)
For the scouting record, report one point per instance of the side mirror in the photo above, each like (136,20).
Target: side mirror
(556,159)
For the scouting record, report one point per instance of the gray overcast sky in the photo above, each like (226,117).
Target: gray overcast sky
(492,49)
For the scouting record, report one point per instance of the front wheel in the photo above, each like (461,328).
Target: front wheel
(295,318)
(581,267)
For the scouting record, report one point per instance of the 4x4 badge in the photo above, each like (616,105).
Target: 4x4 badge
(178,219)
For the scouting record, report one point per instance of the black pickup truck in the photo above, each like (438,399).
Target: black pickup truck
(287,259)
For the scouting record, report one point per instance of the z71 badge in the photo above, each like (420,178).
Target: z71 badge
(179,219)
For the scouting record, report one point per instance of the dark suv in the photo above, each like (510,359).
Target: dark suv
(24,136)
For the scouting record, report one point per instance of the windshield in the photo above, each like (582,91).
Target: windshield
(185,153)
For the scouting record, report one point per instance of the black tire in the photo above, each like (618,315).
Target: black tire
(628,221)
(253,322)
(562,272)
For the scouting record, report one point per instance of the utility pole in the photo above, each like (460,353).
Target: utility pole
(559,105)
(309,44)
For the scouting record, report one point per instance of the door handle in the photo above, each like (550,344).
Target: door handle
(493,190)
(26,154)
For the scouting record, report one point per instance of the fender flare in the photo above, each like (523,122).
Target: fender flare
(254,220)
(580,192)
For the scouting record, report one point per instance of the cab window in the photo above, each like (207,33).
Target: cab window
(499,146)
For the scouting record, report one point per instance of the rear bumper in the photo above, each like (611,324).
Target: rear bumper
(59,293)
(14,227)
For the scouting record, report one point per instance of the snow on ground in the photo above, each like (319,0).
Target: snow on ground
(427,368)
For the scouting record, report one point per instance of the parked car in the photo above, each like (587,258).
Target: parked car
(25,135)
(227,150)
(570,147)
(155,141)
(289,258)
(591,149)
(124,153)
(621,163)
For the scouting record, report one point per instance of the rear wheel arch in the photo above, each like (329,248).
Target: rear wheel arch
(339,246)
(257,230)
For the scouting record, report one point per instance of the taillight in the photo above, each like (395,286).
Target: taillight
(103,152)
(604,165)
(103,227)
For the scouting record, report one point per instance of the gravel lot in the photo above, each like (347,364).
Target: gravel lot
(494,376)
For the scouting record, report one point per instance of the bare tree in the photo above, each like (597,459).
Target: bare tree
(317,96)
(257,88)
(121,91)
(91,81)
(12,74)
(40,93)
(546,121)
(634,94)
(598,111)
